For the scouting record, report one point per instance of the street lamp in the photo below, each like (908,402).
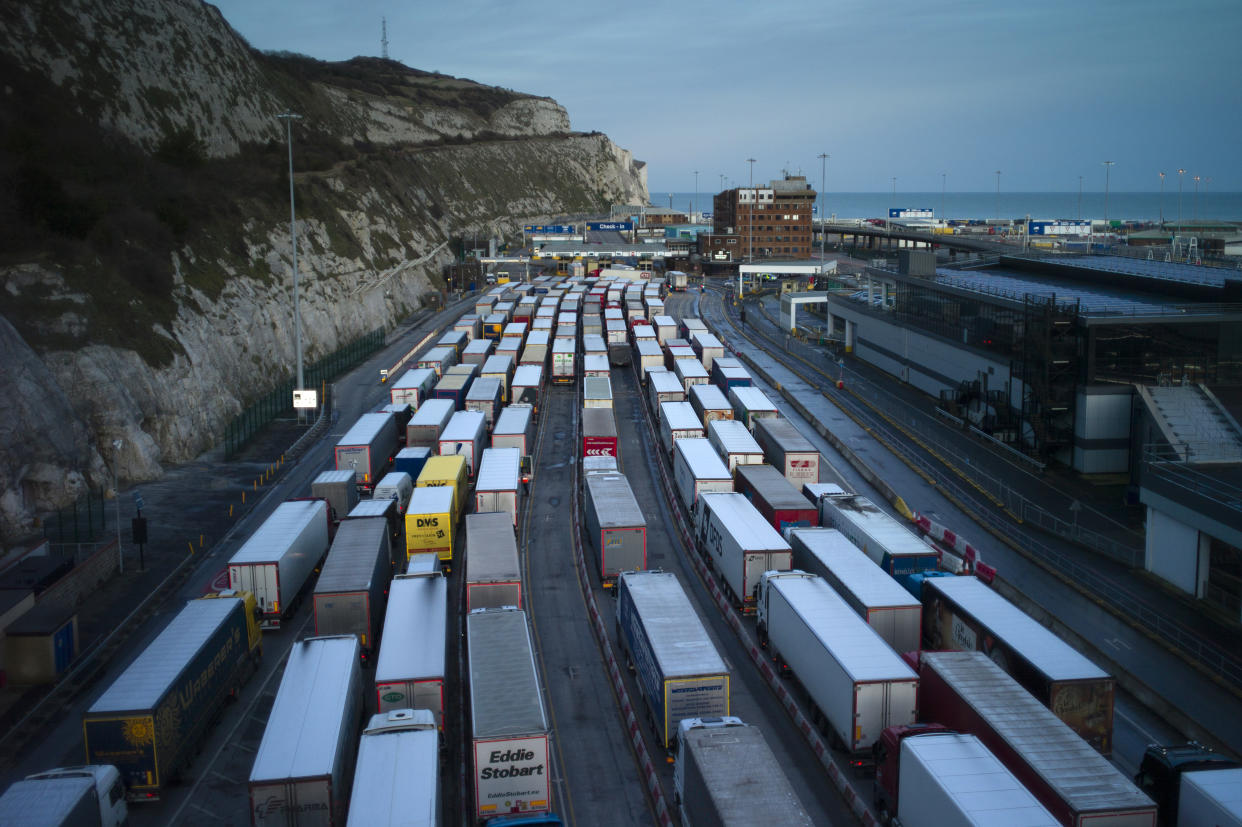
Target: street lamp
(696,196)
(1161,174)
(116,498)
(1180,173)
(1108,167)
(823,221)
(289,118)
(1079,197)
(944,178)
(750,243)
(1196,206)
(998,175)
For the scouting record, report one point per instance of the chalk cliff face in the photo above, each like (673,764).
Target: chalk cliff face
(152,306)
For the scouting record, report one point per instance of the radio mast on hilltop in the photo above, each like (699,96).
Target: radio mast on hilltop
(384,38)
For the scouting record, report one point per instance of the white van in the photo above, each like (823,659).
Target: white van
(396,485)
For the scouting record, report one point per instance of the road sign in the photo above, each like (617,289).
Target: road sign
(138,503)
(305,399)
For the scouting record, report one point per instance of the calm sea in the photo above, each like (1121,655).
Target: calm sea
(1127,206)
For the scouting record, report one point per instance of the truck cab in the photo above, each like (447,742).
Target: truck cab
(1160,773)
(109,791)
(886,751)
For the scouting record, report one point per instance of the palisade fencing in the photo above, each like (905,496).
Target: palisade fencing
(279,400)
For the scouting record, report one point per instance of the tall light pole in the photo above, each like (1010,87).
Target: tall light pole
(1195,210)
(750,244)
(1108,167)
(289,118)
(116,498)
(823,219)
(1180,173)
(998,175)
(1079,197)
(1161,199)
(696,195)
(944,179)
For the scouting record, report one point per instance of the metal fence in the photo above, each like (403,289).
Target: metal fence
(85,521)
(279,400)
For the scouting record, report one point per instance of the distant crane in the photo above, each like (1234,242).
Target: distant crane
(384,38)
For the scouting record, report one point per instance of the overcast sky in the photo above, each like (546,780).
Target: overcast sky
(1044,90)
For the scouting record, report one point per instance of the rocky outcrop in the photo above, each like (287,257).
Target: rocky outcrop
(431,159)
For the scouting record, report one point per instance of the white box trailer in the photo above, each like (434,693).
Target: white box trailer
(665,327)
(690,372)
(726,774)
(601,464)
(707,347)
(947,779)
(663,386)
(470,324)
(615,526)
(439,359)
(465,434)
(564,356)
(645,332)
(740,543)
(368,447)
(477,352)
(877,598)
(305,762)
(496,488)
(859,686)
(596,392)
(276,562)
(493,571)
(352,591)
(734,442)
(1211,797)
(750,405)
(528,385)
(698,469)
(428,422)
(515,428)
(593,343)
(888,543)
(485,396)
(709,403)
(595,365)
(409,672)
(508,725)
(678,421)
(500,366)
(788,450)
(413,387)
(397,779)
(679,672)
(648,355)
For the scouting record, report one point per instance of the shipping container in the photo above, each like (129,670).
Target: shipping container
(615,526)
(776,499)
(411,460)
(508,725)
(368,447)
(451,472)
(697,469)
(465,435)
(750,405)
(497,487)
(739,542)
(430,526)
(969,693)
(515,428)
(965,614)
(409,673)
(413,387)
(428,423)
(888,543)
(339,489)
(397,780)
(735,444)
(493,571)
(477,351)
(352,591)
(597,392)
(153,718)
(528,386)
(599,432)
(664,387)
(500,366)
(709,403)
(679,672)
(304,766)
(788,450)
(564,355)
(876,597)
(857,684)
(439,359)
(277,560)
(678,421)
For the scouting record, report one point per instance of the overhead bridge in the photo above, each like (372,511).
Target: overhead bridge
(881,237)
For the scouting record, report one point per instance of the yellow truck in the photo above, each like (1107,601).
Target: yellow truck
(448,471)
(430,525)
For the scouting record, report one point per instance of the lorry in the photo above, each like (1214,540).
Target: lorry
(678,421)
(599,432)
(447,471)
(477,351)
(648,356)
(470,324)
(401,413)
(679,672)
(967,692)
(493,571)
(90,796)
(397,486)
(465,436)
(751,405)
(152,719)
(596,392)
(430,526)
(735,444)
(385,510)
(690,371)
(508,724)
(739,544)
(1192,784)
(428,422)
(927,776)
(888,543)
(615,526)
(787,450)
(410,461)
(439,359)
(409,673)
(515,428)
(353,587)
(497,486)
(397,779)
(709,403)
(729,372)
(484,397)
(877,598)
(564,355)
(677,281)
(857,685)
(780,503)
(368,447)
(500,366)
(964,613)
(453,387)
(528,385)
(413,387)
(304,766)
(663,387)
(665,328)
(277,561)
(339,489)
(725,773)
(707,347)
(697,469)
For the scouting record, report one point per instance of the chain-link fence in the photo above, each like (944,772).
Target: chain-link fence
(85,521)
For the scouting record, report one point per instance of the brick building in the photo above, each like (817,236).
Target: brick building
(775,219)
